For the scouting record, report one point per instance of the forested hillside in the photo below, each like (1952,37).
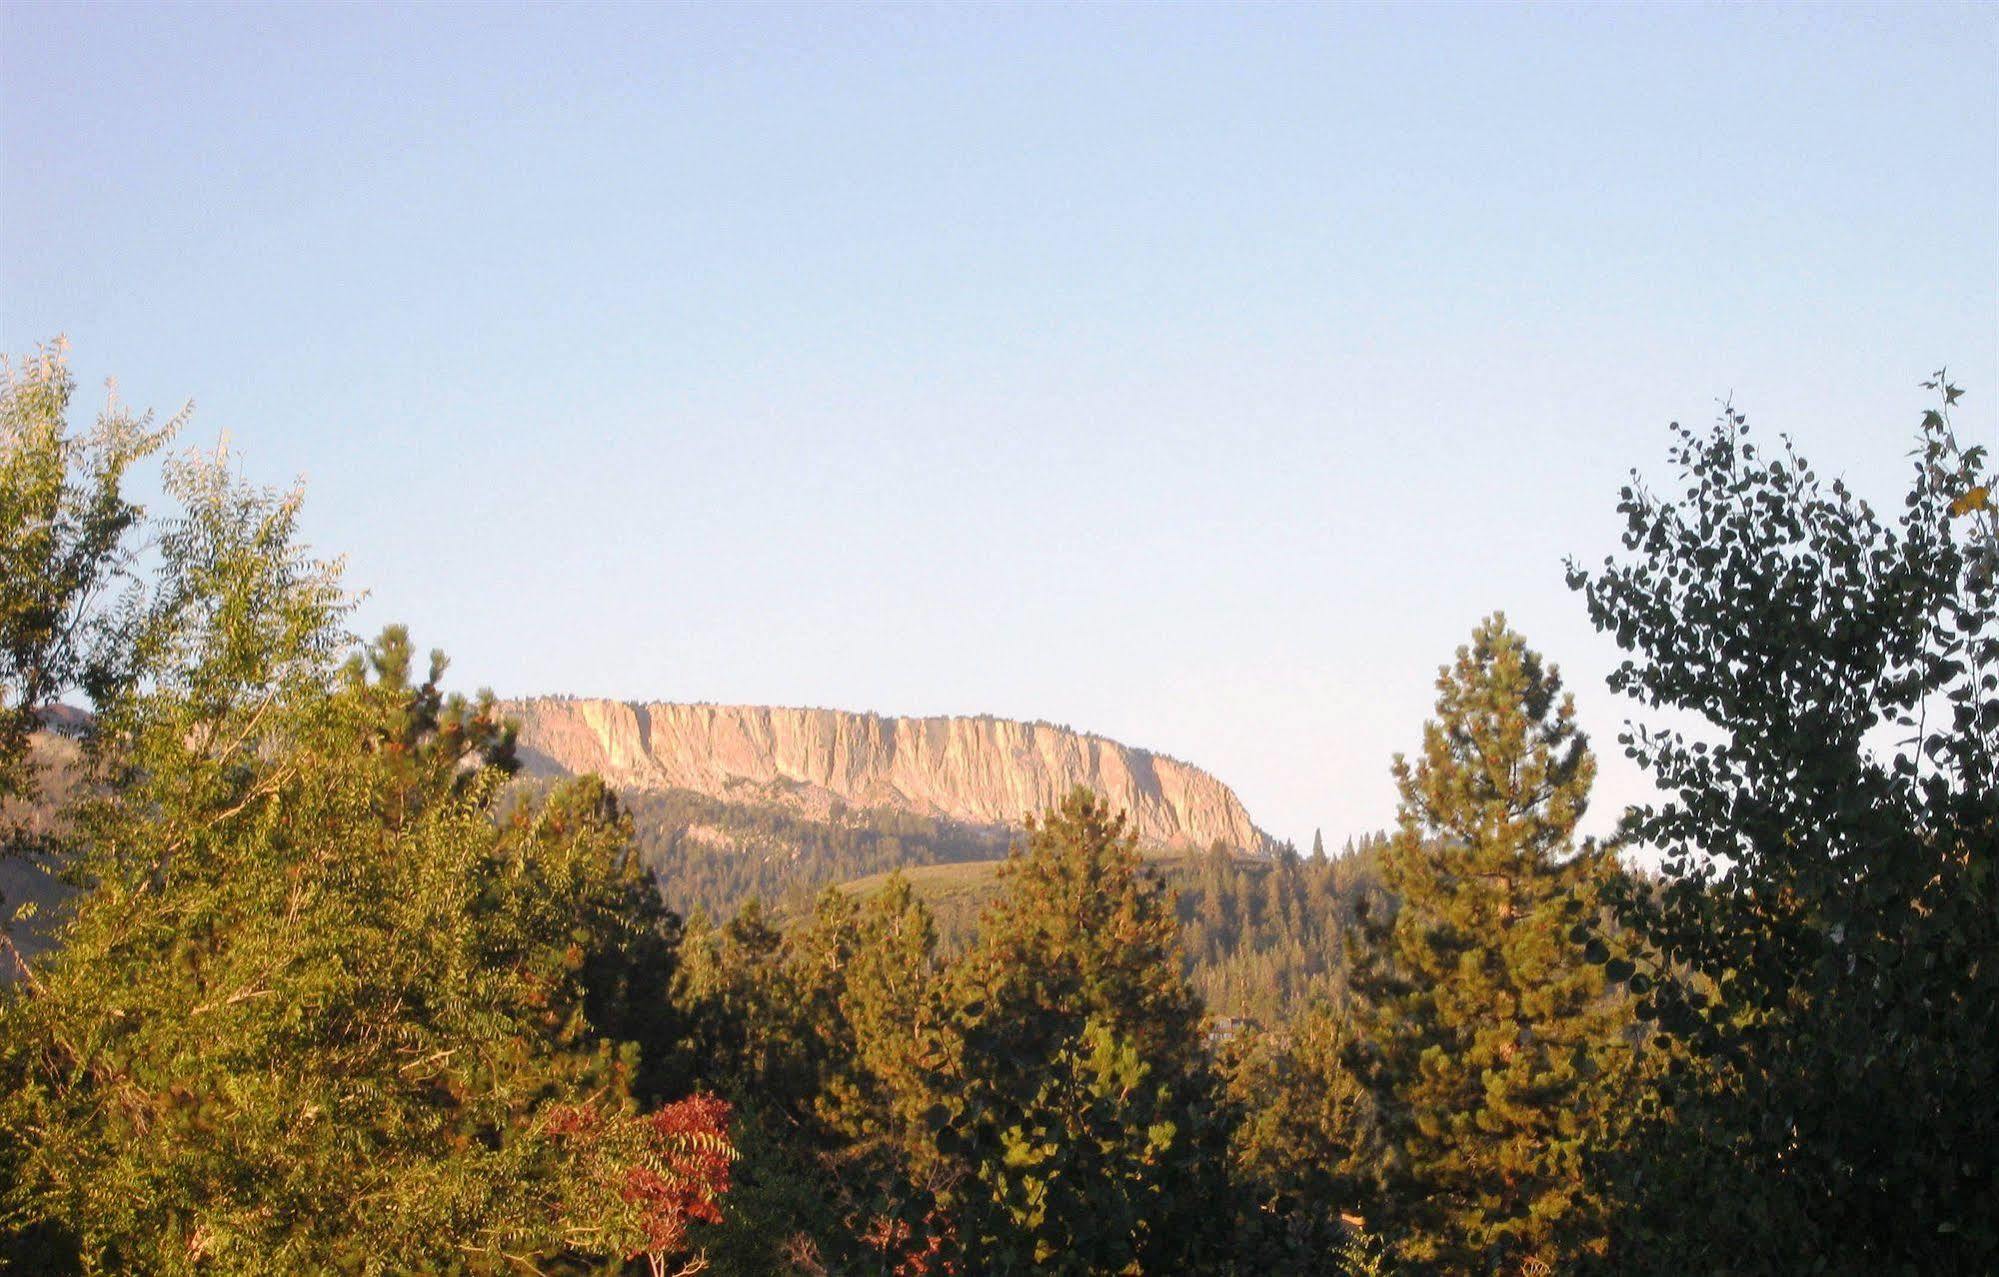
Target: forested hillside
(335,990)
(1260,934)
(711,855)
(1260,938)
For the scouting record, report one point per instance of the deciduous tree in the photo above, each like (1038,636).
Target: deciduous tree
(329,998)
(1826,931)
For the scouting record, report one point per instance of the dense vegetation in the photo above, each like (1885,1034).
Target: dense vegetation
(333,992)
(1820,964)
(1260,938)
(323,1000)
(713,855)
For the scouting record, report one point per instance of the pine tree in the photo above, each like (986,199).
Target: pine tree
(888,1001)
(824,1033)
(748,1033)
(1489,1033)
(1078,1096)
(1308,1141)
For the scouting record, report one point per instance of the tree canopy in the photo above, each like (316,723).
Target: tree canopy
(327,998)
(329,987)
(1822,942)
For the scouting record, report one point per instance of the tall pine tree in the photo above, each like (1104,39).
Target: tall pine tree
(1489,1031)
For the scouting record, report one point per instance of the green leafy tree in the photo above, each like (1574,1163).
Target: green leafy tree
(1078,1097)
(1826,929)
(1489,1036)
(325,999)
(66,548)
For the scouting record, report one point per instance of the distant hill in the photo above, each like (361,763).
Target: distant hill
(735,801)
(990,772)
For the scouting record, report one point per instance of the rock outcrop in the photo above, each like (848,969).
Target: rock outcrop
(988,771)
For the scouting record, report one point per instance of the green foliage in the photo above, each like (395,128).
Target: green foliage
(1264,938)
(334,991)
(1260,935)
(752,1028)
(325,1001)
(1044,1092)
(1491,1045)
(1260,939)
(1308,1143)
(1076,1094)
(889,1003)
(331,1010)
(713,855)
(66,547)
(1825,935)
(820,1033)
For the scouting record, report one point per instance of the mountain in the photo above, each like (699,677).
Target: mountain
(31,880)
(982,772)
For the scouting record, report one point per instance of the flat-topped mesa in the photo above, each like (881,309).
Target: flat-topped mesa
(987,771)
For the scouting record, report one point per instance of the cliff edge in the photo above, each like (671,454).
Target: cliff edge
(989,771)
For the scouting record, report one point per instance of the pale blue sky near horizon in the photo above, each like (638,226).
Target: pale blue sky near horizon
(1194,375)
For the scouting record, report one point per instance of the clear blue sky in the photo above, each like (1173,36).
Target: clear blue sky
(1194,375)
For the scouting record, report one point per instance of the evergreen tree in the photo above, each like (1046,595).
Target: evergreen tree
(888,1002)
(1308,1142)
(821,1032)
(749,1027)
(746,1041)
(1489,1036)
(1078,1097)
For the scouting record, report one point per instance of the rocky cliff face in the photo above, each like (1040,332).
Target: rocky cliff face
(976,770)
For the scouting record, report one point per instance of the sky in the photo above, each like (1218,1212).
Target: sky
(1194,375)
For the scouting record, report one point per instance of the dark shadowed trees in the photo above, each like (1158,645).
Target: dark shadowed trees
(1825,936)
